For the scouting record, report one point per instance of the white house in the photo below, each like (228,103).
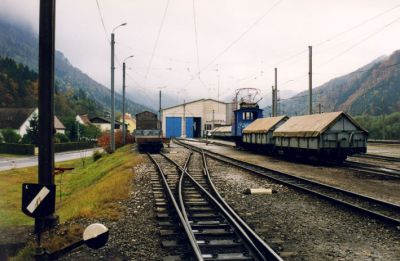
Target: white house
(18,119)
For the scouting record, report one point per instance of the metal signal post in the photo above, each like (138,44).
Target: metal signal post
(46,101)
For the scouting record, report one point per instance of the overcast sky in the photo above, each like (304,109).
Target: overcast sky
(245,39)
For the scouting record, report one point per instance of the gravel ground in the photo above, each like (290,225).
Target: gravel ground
(371,185)
(301,227)
(135,236)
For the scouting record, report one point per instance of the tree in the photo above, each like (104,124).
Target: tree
(90,132)
(10,136)
(32,133)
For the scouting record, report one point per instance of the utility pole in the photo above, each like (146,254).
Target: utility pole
(46,102)
(159,108)
(184,120)
(112,121)
(123,99)
(213,120)
(273,102)
(310,111)
(123,104)
(319,108)
(276,92)
(383,119)
(112,138)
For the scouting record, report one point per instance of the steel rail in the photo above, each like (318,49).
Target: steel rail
(235,224)
(261,244)
(379,157)
(186,226)
(373,169)
(303,184)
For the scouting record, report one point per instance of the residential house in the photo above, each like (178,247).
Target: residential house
(104,124)
(19,119)
(130,122)
(83,119)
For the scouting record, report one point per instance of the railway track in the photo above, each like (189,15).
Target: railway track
(372,169)
(381,210)
(213,231)
(377,157)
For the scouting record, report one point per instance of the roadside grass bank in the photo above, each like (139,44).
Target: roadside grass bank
(91,191)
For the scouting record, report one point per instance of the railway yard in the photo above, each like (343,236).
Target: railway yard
(188,205)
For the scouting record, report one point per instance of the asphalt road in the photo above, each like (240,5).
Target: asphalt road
(7,163)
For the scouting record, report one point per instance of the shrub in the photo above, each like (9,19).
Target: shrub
(60,147)
(14,148)
(97,155)
(104,140)
(10,136)
(61,138)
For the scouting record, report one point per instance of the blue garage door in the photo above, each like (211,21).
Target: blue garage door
(189,127)
(173,127)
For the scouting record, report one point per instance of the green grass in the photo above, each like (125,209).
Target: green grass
(90,190)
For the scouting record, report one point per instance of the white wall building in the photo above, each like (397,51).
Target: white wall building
(199,115)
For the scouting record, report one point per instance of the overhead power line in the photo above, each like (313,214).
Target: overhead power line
(102,20)
(195,35)
(337,35)
(362,40)
(157,39)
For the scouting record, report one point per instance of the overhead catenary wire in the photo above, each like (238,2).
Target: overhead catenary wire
(102,21)
(156,42)
(362,40)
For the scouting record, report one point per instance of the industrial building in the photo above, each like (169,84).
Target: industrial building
(193,119)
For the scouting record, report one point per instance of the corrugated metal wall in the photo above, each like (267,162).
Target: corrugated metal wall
(173,127)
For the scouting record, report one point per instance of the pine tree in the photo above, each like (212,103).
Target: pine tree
(32,132)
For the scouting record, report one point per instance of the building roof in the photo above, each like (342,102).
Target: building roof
(58,124)
(13,118)
(98,119)
(85,119)
(193,102)
(311,125)
(223,129)
(263,125)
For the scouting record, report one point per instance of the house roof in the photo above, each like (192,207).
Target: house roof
(263,125)
(58,124)
(103,120)
(85,119)
(186,103)
(311,125)
(14,117)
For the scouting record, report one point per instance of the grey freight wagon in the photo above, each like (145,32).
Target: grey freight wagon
(333,135)
(258,135)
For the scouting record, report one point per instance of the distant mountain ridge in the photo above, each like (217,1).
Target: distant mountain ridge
(373,89)
(21,45)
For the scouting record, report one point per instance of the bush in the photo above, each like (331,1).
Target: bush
(60,147)
(15,148)
(10,136)
(104,140)
(61,138)
(97,155)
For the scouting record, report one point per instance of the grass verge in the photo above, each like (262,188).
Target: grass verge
(91,190)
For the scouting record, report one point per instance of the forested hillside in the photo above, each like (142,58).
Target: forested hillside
(21,44)
(19,88)
(371,90)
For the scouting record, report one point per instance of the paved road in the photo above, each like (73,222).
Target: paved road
(21,162)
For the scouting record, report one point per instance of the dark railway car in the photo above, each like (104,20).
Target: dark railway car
(148,134)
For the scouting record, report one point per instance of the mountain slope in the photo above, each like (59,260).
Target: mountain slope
(21,45)
(373,89)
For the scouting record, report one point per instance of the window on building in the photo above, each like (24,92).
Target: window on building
(207,127)
(248,115)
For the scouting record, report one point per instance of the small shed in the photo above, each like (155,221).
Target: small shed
(327,133)
(261,130)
